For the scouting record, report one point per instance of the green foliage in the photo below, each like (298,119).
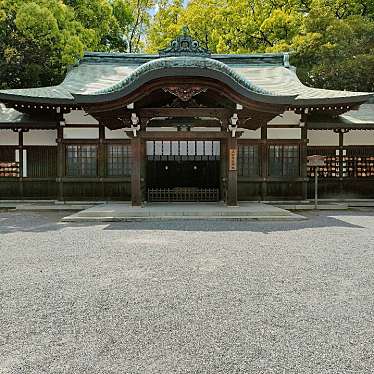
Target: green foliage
(40,38)
(331,41)
(165,26)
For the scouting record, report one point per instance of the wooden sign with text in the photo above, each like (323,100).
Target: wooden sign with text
(233,160)
(316,160)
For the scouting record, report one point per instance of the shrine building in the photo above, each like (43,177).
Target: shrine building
(184,125)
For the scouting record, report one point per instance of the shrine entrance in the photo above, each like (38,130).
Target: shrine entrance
(183,170)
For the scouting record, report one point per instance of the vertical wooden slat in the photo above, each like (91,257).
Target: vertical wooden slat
(41,161)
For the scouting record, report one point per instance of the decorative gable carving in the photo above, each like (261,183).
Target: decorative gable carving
(184,45)
(184,93)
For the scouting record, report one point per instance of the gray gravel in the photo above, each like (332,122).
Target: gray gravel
(187,297)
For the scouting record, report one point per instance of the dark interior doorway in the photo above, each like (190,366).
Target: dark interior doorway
(183,171)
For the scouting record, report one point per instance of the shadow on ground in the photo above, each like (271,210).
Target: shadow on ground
(11,222)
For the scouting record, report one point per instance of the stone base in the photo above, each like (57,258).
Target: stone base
(163,211)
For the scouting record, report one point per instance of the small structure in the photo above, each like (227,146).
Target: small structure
(183,125)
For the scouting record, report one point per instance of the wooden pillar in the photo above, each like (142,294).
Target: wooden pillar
(304,161)
(60,163)
(264,161)
(232,171)
(136,187)
(101,158)
(21,163)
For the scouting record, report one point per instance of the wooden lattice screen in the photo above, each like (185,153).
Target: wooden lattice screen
(41,162)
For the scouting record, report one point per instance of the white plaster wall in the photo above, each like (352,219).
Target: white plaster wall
(78,117)
(357,137)
(40,137)
(250,134)
(287,118)
(284,133)
(115,134)
(8,137)
(323,137)
(81,133)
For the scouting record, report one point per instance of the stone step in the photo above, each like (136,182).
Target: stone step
(118,212)
(294,217)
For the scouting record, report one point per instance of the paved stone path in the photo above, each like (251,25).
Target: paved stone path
(187,297)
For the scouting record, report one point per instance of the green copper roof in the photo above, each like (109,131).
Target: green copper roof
(184,62)
(13,119)
(101,77)
(365,115)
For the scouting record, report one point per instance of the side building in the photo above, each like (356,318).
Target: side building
(184,125)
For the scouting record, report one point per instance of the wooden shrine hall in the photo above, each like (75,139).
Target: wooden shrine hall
(182,125)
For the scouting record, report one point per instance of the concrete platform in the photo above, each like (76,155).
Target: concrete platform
(310,206)
(166,211)
(43,206)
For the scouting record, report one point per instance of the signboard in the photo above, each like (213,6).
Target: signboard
(233,159)
(316,160)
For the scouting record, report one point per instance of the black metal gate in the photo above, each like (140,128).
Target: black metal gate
(183,170)
(183,194)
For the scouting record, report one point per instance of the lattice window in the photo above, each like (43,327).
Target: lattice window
(118,160)
(183,150)
(81,160)
(248,160)
(284,160)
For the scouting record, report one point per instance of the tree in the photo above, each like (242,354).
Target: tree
(335,51)
(139,25)
(165,25)
(39,39)
(331,41)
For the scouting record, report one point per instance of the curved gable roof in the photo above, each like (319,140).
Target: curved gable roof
(103,77)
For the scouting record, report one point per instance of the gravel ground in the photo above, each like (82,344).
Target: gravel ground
(187,297)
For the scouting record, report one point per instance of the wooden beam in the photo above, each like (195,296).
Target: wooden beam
(220,113)
(192,122)
(182,135)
